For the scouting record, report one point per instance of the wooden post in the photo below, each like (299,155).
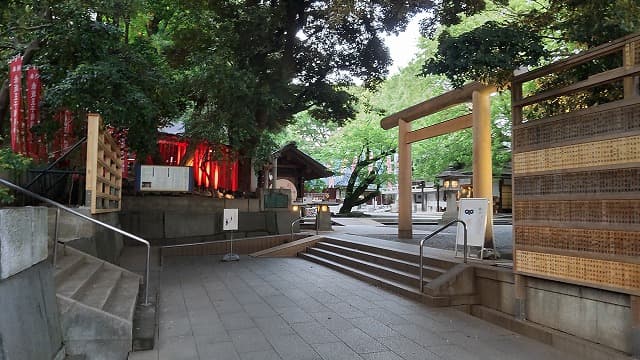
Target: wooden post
(93,135)
(405,230)
(629,60)
(520,303)
(482,163)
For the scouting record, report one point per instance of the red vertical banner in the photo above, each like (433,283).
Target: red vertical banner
(34,91)
(67,127)
(15,102)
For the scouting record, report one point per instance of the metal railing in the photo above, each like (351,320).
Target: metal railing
(88,218)
(464,225)
(293,222)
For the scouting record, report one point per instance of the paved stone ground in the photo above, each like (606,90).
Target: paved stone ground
(289,308)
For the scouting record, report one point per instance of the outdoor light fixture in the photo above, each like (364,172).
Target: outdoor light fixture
(324,208)
(295,208)
(451,184)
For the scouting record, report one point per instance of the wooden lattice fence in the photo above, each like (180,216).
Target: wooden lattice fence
(576,174)
(104,168)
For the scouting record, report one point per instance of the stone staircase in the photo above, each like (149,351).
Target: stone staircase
(446,283)
(96,300)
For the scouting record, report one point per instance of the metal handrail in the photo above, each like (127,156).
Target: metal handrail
(464,225)
(293,222)
(88,218)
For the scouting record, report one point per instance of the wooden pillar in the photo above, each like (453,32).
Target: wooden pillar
(629,60)
(482,162)
(405,230)
(520,305)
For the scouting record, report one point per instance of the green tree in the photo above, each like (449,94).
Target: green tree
(89,63)
(525,34)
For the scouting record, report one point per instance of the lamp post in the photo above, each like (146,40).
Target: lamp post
(450,179)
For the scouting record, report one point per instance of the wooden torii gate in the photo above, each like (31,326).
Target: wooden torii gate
(480,122)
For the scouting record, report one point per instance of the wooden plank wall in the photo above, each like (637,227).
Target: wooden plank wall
(104,168)
(576,179)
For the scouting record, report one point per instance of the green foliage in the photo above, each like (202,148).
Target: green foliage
(13,165)
(488,54)
(522,33)
(90,64)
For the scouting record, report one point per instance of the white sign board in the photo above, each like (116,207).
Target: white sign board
(230,219)
(473,211)
(164,178)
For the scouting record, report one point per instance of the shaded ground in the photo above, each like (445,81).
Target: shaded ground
(288,308)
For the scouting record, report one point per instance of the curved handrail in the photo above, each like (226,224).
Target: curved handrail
(88,218)
(293,222)
(464,225)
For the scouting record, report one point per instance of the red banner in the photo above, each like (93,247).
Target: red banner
(15,102)
(34,91)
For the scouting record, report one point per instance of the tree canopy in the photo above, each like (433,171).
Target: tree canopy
(508,35)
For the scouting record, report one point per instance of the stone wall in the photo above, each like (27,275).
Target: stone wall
(29,325)
(171,219)
(595,315)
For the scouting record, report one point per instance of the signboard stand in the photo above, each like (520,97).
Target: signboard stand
(473,211)
(230,223)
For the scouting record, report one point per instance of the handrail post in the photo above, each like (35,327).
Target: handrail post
(464,225)
(293,222)
(55,239)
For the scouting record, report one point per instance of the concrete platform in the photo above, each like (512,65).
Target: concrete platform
(289,308)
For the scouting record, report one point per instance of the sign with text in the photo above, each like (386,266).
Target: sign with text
(230,219)
(473,211)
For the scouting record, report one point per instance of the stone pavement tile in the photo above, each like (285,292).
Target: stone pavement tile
(324,297)
(173,328)
(292,347)
(259,309)
(227,306)
(274,326)
(266,290)
(453,352)
(143,355)
(525,349)
(311,305)
(419,334)
(332,321)
(359,302)
(336,351)
(209,325)
(385,355)
(247,298)
(210,349)
(395,306)
(314,333)
(385,317)
(345,310)
(249,340)
(236,321)
(279,301)
(177,348)
(438,325)
(408,349)
(294,315)
(373,327)
(359,341)
(261,355)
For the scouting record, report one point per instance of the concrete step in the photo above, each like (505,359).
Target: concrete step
(403,277)
(395,286)
(122,301)
(393,253)
(97,301)
(387,261)
(70,284)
